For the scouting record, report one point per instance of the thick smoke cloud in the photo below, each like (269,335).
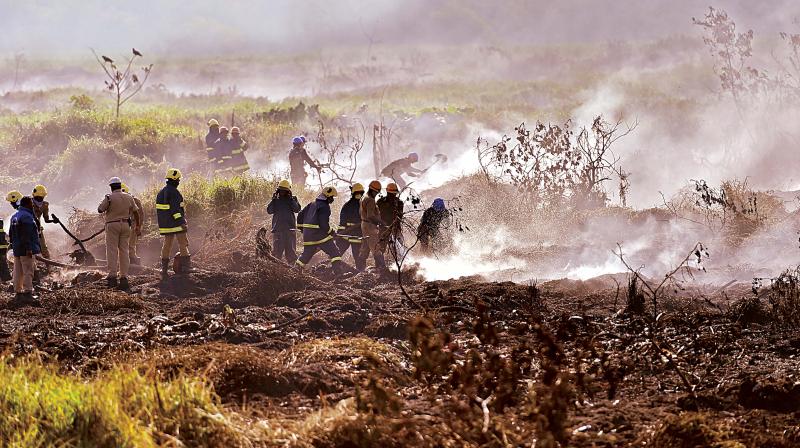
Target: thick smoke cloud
(175,28)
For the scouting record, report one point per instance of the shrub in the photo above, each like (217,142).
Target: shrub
(119,408)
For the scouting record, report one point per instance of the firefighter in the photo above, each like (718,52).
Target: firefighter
(222,150)
(136,231)
(172,224)
(238,162)
(25,244)
(400,167)
(211,140)
(283,207)
(390,208)
(350,225)
(5,273)
(13,198)
(41,209)
(371,226)
(298,157)
(318,235)
(118,208)
(429,231)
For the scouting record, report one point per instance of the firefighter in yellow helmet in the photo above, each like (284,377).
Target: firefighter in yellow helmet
(172,224)
(5,273)
(41,209)
(350,226)
(318,234)
(371,226)
(120,213)
(211,139)
(238,162)
(283,207)
(136,231)
(13,198)
(222,151)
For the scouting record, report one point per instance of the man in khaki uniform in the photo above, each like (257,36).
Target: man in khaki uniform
(118,208)
(371,224)
(136,232)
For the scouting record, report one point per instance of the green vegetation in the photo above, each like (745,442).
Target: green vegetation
(119,408)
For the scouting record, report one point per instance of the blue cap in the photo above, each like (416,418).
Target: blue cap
(303,138)
(438,204)
(297,140)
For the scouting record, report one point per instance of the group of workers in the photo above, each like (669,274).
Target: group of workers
(225,150)
(25,239)
(368,224)
(226,154)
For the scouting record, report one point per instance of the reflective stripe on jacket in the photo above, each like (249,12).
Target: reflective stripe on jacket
(350,218)
(314,219)
(169,210)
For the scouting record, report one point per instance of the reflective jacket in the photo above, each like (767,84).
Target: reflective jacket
(238,161)
(350,218)
(24,233)
(211,148)
(3,240)
(283,209)
(169,209)
(222,150)
(314,219)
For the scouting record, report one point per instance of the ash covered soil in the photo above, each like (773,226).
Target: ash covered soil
(462,362)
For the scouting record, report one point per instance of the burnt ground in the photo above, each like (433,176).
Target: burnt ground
(495,364)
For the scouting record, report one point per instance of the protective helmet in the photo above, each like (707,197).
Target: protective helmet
(438,204)
(375,185)
(223,130)
(235,130)
(13,196)
(213,122)
(303,138)
(357,188)
(40,190)
(114,180)
(173,174)
(392,188)
(125,189)
(330,192)
(414,157)
(284,185)
(297,141)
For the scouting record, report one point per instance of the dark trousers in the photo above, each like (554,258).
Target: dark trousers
(284,244)
(355,246)
(5,272)
(329,247)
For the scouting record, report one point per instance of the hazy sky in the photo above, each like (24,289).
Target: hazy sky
(167,27)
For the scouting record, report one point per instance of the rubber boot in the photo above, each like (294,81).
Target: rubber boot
(186,265)
(164,268)
(123,284)
(111,281)
(380,262)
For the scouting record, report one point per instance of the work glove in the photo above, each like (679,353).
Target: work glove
(55,220)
